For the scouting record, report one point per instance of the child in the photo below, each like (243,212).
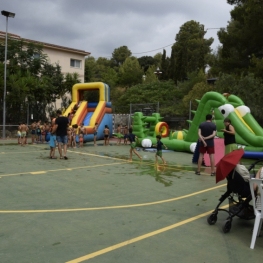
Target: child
(69,134)
(95,128)
(52,144)
(38,133)
(73,135)
(159,145)
(81,139)
(132,139)
(125,138)
(106,135)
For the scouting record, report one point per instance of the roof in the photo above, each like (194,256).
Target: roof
(47,45)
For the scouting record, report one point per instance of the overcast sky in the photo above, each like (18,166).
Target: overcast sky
(100,26)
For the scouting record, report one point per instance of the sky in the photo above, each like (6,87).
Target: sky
(100,26)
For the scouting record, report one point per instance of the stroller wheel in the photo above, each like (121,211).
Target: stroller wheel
(211,220)
(227,226)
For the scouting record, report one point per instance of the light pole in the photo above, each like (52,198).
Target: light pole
(158,72)
(27,110)
(6,14)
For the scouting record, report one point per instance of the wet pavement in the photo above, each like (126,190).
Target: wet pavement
(98,207)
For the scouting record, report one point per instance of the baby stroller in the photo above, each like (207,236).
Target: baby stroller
(238,193)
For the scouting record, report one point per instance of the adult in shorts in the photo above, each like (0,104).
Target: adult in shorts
(60,128)
(206,134)
(24,130)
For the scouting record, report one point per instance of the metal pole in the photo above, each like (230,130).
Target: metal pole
(27,114)
(4,96)
(190,110)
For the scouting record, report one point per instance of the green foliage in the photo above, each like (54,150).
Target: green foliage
(196,93)
(158,59)
(120,54)
(166,93)
(150,75)
(94,69)
(165,66)
(31,81)
(241,40)
(90,64)
(130,72)
(192,79)
(146,61)
(247,87)
(189,51)
(110,77)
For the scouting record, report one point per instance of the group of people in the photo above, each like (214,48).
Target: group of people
(37,130)
(122,132)
(206,134)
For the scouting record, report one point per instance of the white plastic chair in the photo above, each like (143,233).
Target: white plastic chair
(258,208)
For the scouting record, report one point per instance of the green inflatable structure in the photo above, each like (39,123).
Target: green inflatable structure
(249,134)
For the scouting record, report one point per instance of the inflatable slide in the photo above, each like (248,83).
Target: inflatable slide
(91,112)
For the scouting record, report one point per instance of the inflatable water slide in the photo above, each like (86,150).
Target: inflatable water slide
(249,134)
(91,112)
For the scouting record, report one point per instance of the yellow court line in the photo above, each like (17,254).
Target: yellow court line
(62,169)
(15,152)
(124,160)
(39,172)
(110,207)
(139,238)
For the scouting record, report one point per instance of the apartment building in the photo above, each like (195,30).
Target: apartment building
(71,60)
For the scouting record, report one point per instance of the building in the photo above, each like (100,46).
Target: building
(71,60)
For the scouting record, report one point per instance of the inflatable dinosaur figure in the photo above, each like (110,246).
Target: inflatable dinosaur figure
(249,134)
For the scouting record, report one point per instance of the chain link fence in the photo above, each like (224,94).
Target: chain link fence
(10,131)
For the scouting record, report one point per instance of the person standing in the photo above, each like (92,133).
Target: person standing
(33,132)
(60,127)
(229,137)
(159,145)
(206,134)
(132,137)
(24,130)
(106,132)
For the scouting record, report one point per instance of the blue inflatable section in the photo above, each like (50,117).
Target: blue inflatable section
(107,120)
(95,104)
(86,120)
(253,155)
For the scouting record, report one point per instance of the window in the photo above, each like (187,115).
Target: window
(75,63)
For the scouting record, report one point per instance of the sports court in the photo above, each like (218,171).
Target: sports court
(98,207)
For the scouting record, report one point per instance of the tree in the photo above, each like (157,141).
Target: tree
(189,51)
(247,87)
(146,61)
(94,69)
(165,66)
(241,39)
(130,72)
(110,77)
(150,75)
(31,80)
(164,92)
(120,54)
(90,64)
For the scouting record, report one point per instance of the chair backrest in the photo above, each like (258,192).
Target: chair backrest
(257,200)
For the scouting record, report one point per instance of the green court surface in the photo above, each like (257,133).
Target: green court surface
(97,207)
